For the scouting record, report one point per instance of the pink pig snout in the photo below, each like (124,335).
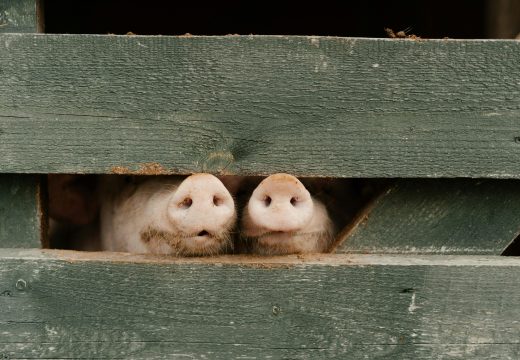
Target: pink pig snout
(201,206)
(281,203)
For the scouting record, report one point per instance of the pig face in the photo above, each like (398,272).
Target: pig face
(281,217)
(169,215)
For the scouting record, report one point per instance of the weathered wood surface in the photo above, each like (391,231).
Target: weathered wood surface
(310,106)
(456,216)
(21,220)
(18,16)
(67,305)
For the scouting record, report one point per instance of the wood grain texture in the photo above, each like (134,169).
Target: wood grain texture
(58,305)
(456,216)
(18,16)
(21,220)
(311,106)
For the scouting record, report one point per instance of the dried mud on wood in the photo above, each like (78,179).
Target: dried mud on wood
(401,34)
(143,169)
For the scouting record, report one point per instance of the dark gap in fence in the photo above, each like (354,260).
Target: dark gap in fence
(513,249)
(74,206)
(428,19)
(421,216)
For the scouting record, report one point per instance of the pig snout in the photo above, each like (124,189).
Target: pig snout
(201,207)
(193,216)
(282,217)
(280,203)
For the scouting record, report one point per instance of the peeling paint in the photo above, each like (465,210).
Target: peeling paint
(50,331)
(412,306)
(314,41)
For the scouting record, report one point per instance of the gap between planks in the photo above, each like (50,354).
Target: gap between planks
(261,261)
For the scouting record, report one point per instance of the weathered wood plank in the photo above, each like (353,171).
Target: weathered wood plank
(457,216)
(18,16)
(67,305)
(310,106)
(21,216)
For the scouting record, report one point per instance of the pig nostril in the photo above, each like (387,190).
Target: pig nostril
(186,203)
(294,201)
(203,233)
(217,201)
(267,201)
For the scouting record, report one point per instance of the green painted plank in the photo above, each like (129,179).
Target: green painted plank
(314,106)
(458,216)
(18,16)
(21,219)
(59,304)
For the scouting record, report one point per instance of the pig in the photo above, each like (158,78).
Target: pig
(281,217)
(178,216)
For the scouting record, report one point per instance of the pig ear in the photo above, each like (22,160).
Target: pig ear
(73,198)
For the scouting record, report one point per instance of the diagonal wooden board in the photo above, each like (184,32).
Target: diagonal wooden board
(63,305)
(441,216)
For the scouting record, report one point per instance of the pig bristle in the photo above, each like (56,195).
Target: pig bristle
(222,245)
(155,238)
(319,240)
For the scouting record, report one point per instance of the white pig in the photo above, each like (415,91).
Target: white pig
(281,217)
(178,216)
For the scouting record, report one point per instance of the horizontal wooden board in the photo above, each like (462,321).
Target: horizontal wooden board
(456,216)
(18,16)
(315,106)
(59,305)
(21,219)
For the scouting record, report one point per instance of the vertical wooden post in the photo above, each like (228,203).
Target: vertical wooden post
(22,215)
(21,16)
(40,16)
(22,220)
